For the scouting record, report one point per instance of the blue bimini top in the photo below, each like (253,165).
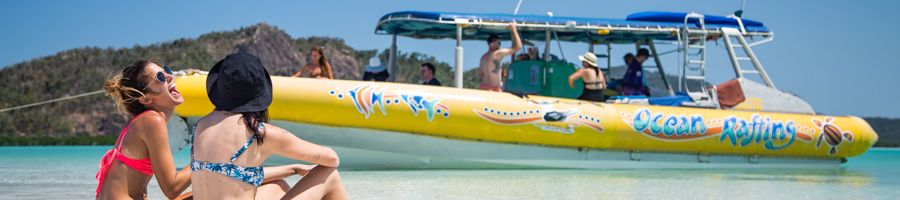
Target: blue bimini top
(636,27)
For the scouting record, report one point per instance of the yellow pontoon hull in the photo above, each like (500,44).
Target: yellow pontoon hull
(357,112)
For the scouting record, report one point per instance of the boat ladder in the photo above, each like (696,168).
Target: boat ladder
(693,52)
(749,56)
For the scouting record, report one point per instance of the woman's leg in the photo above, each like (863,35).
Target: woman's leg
(272,190)
(321,183)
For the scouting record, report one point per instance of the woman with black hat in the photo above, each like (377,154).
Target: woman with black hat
(231,143)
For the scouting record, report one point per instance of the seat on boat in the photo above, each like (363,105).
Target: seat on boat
(674,100)
(730,93)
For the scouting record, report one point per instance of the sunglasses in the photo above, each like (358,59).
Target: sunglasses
(162,77)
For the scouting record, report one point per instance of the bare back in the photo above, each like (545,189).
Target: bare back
(593,80)
(489,69)
(123,182)
(218,136)
(145,140)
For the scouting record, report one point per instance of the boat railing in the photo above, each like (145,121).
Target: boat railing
(749,56)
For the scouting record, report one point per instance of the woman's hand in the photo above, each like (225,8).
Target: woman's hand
(301,169)
(275,173)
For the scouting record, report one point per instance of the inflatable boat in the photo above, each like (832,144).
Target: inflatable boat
(536,124)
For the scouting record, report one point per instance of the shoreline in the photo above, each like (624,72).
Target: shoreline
(57,141)
(25,141)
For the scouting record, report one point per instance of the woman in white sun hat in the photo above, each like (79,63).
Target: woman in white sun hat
(594,83)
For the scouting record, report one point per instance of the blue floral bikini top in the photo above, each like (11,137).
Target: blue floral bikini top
(249,175)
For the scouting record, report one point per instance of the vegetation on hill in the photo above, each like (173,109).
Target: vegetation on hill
(888,130)
(93,120)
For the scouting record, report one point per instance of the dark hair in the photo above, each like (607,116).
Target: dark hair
(643,52)
(252,121)
(628,55)
(492,38)
(323,61)
(430,67)
(127,86)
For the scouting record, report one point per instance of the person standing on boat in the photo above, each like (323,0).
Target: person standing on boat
(628,58)
(594,81)
(231,143)
(633,82)
(428,75)
(489,66)
(317,67)
(617,83)
(146,92)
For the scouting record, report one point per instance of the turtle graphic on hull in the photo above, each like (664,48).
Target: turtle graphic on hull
(831,134)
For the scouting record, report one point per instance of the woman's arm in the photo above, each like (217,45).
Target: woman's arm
(283,143)
(575,76)
(284,171)
(601,78)
(328,72)
(155,135)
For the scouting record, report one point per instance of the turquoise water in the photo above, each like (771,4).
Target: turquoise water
(68,172)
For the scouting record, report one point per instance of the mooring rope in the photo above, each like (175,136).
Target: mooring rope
(185,72)
(51,101)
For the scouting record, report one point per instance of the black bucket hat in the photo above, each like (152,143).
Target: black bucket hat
(239,83)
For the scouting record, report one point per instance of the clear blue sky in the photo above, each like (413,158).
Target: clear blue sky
(838,55)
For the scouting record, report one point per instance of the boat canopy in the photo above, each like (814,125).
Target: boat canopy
(636,27)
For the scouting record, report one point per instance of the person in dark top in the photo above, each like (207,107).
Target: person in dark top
(375,71)
(628,58)
(616,84)
(594,81)
(633,82)
(428,75)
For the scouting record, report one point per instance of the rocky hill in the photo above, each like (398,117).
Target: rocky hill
(94,119)
(84,70)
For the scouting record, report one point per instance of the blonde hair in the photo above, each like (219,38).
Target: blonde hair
(126,88)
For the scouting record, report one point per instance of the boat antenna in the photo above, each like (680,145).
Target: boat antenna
(516,12)
(740,12)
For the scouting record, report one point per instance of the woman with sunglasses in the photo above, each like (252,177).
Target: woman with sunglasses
(146,93)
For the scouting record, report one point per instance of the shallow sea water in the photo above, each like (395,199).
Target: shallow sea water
(68,173)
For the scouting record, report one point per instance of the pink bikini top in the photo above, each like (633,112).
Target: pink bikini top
(142,165)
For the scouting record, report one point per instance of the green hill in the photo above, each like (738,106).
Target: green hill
(888,130)
(94,119)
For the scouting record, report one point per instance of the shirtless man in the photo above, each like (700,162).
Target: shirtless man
(489,67)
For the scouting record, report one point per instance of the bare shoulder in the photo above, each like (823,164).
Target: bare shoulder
(578,71)
(151,126)
(276,133)
(275,137)
(149,119)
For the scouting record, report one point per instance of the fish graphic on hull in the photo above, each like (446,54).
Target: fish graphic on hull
(369,98)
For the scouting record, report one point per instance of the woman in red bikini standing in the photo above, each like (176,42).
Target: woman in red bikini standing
(146,92)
